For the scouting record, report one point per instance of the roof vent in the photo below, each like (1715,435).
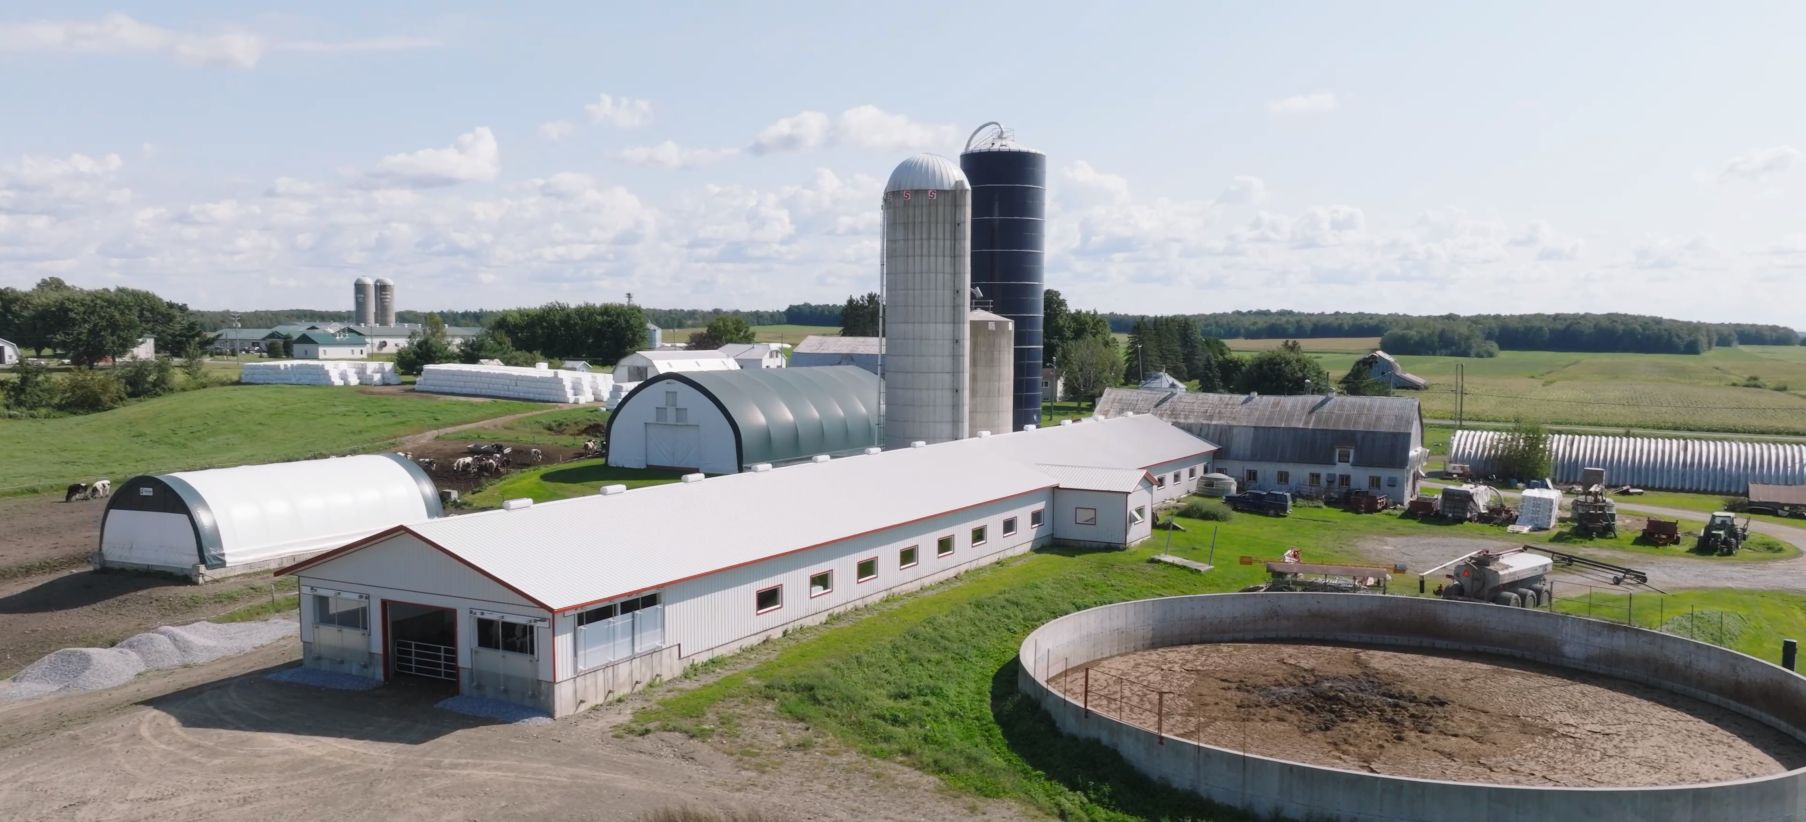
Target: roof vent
(873,450)
(1065,422)
(611,490)
(1030,427)
(517,504)
(692,478)
(1253,394)
(541,366)
(820,458)
(918,444)
(760,468)
(984,435)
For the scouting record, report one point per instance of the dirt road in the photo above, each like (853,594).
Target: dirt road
(221,742)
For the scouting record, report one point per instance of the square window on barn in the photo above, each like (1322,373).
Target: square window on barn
(1175,477)
(1084,516)
(1285,477)
(342,612)
(1373,483)
(1160,481)
(769,599)
(670,397)
(906,558)
(1009,527)
(512,637)
(1392,482)
(659,414)
(1344,456)
(943,546)
(978,535)
(1316,479)
(821,583)
(866,570)
(683,415)
(1191,472)
(1138,515)
(1035,517)
(1253,475)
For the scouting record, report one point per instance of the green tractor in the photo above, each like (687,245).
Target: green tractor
(1722,535)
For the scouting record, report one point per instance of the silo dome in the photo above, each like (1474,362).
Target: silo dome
(364,281)
(925,171)
(384,281)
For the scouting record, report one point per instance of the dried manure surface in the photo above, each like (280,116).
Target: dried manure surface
(1427,716)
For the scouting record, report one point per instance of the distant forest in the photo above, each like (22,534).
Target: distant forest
(1483,335)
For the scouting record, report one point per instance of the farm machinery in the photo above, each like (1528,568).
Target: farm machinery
(1722,534)
(1661,531)
(1366,502)
(1512,577)
(1477,503)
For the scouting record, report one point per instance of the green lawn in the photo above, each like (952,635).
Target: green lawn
(928,680)
(567,481)
(1704,503)
(556,428)
(225,426)
(1751,622)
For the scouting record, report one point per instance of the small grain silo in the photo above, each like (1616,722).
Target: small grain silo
(363,301)
(927,281)
(1009,211)
(991,390)
(385,301)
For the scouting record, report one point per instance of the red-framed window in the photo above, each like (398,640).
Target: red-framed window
(768,599)
(866,570)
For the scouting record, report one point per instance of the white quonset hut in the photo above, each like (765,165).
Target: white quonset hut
(755,355)
(210,524)
(540,384)
(721,422)
(644,365)
(565,605)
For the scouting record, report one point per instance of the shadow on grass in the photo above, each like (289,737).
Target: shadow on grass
(600,472)
(1096,773)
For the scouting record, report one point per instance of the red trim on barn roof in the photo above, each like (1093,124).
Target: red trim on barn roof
(396,531)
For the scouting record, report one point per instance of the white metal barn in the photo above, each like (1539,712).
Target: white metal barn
(755,355)
(644,365)
(818,350)
(720,422)
(9,353)
(566,604)
(226,521)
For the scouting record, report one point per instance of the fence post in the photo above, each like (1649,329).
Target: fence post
(1789,650)
(1087,692)
(1630,610)
(1160,711)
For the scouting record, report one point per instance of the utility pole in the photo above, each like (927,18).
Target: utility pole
(1460,394)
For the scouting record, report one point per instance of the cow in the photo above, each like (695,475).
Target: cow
(76,491)
(461,465)
(428,463)
(101,489)
(537,455)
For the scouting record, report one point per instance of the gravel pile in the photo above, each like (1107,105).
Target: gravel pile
(493,709)
(325,679)
(74,670)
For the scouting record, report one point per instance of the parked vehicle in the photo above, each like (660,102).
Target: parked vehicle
(1270,503)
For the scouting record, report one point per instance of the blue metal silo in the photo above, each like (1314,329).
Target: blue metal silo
(1009,210)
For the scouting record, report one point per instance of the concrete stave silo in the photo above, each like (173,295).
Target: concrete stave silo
(385,301)
(1009,211)
(363,301)
(990,393)
(927,282)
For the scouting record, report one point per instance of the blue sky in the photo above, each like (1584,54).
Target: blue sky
(1428,158)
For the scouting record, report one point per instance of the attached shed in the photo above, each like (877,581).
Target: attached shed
(215,523)
(818,350)
(720,422)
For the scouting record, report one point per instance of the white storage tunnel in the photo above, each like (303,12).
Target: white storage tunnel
(515,382)
(208,524)
(296,372)
(1702,466)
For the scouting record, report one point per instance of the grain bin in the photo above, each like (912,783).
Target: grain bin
(927,282)
(1009,210)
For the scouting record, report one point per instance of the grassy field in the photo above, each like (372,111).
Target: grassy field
(1359,346)
(792,334)
(928,680)
(215,427)
(570,480)
(556,428)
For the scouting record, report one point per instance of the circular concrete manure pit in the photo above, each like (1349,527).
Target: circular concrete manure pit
(1443,716)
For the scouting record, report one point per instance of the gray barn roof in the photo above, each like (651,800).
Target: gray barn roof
(1304,429)
(825,344)
(785,414)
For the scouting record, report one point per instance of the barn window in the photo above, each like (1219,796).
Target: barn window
(866,570)
(821,583)
(1136,516)
(943,546)
(1316,479)
(1344,456)
(342,612)
(978,535)
(1373,483)
(1175,477)
(1253,475)
(1192,472)
(683,415)
(513,637)
(659,414)
(1285,477)
(670,397)
(769,599)
(1160,481)
(1084,516)
(1392,482)
(906,558)
(1009,527)
(1035,517)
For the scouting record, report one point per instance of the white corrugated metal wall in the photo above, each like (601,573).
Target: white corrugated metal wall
(1703,466)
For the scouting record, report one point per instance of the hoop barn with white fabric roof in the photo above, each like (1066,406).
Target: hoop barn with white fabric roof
(564,605)
(225,521)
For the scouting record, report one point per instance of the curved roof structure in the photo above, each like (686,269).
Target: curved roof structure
(786,414)
(1705,466)
(926,171)
(993,136)
(256,513)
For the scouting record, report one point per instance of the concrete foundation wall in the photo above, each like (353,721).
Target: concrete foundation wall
(1759,690)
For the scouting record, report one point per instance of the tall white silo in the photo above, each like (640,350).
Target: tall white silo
(991,393)
(927,285)
(363,301)
(385,301)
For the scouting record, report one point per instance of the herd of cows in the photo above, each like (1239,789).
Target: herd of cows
(97,489)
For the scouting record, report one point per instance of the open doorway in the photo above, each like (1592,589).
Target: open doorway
(422,642)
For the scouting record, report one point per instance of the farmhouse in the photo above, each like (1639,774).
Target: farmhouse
(818,350)
(564,605)
(721,422)
(330,345)
(1309,445)
(209,524)
(644,365)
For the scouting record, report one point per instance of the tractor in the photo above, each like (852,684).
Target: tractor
(1722,535)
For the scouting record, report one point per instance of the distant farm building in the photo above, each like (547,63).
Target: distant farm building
(1704,466)
(9,353)
(644,365)
(755,355)
(720,422)
(1310,444)
(329,345)
(1381,366)
(1052,387)
(208,524)
(1162,381)
(818,350)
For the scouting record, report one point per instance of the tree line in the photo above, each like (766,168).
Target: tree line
(1457,335)
(89,326)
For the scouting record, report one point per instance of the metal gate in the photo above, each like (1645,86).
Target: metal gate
(424,659)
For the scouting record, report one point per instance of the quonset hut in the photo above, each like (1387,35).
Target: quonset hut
(720,422)
(1703,466)
(210,524)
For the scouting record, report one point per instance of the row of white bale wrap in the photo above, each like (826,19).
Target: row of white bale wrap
(319,372)
(1703,466)
(540,383)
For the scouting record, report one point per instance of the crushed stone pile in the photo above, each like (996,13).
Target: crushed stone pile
(74,670)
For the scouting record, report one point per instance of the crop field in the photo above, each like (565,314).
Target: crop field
(231,425)
(791,334)
(1329,345)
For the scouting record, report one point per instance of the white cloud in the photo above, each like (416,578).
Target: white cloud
(557,130)
(1677,251)
(1758,163)
(472,157)
(620,112)
(1243,190)
(291,188)
(118,33)
(148,151)
(36,172)
(370,44)
(671,155)
(1304,103)
(863,126)
(1329,225)
(224,211)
